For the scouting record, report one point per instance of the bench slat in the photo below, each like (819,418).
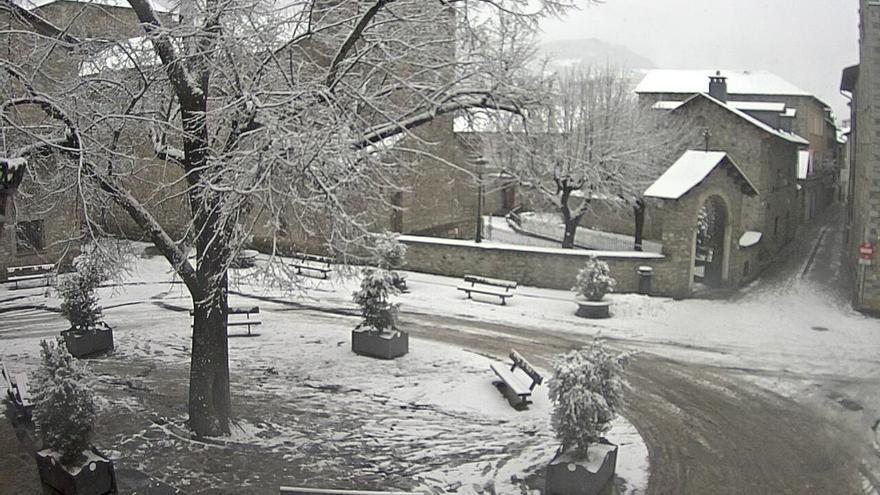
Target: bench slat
(490,281)
(467,288)
(24,393)
(243,322)
(516,383)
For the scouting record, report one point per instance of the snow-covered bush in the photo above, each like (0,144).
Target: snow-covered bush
(377,287)
(587,393)
(594,280)
(390,252)
(99,262)
(64,406)
(390,255)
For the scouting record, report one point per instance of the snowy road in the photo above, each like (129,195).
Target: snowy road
(772,392)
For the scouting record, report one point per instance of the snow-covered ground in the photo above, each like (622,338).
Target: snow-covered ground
(550,226)
(430,420)
(433,416)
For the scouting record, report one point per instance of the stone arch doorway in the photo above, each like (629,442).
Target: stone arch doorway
(711,256)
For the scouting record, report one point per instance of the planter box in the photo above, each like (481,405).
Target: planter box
(89,342)
(379,345)
(593,309)
(567,475)
(95,477)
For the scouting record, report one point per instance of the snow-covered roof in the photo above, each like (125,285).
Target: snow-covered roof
(786,135)
(687,172)
(157,6)
(750,238)
(121,55)
(667,105)
(804,162)
(757,106)
(739,82)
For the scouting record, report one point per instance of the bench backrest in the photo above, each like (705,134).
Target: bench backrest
(287,490)
(314,258)
(24,392)
(476,279)
(29,269)
(521,363)
(243,310)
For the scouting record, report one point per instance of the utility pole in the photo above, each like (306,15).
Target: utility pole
(478,237)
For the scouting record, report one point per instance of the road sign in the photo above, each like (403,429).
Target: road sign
(866,250)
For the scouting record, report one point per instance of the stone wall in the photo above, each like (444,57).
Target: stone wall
(865,194)
(552,268)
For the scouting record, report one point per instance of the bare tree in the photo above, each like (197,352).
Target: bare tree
(590,142)
(255,114)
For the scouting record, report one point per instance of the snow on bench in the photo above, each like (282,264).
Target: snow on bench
(489,286)
(520,384)
(17,389)
(312,263)
(23,273)
(288,490)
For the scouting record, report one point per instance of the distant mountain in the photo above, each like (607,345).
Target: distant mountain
(592,52)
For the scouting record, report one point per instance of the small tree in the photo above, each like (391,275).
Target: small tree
(390,252)
(101,260)
(587,393)
(64,406)
(78,291)
(390,255)
(377,287)
(594,280)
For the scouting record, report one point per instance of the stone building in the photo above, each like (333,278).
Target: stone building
(863,204)
(726,234)
(779,104)
(435,198)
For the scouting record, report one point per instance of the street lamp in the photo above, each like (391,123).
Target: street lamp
(480,163)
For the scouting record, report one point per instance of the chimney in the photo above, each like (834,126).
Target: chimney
(718,87)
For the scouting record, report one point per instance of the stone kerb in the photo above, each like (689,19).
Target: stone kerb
(552,268)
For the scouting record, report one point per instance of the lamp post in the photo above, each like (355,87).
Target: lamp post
(480,162)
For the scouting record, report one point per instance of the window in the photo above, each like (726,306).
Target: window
(3,199)
(29,236)
(775,226)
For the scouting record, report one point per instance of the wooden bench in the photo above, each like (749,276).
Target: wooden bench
(23,273)
(247,311)
(312,263)
(17,390)
(248,321)
(290,490)
(520,384)
(488,286)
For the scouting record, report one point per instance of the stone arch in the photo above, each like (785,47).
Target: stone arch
(711,252)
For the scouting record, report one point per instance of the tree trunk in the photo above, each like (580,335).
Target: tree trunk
(639,213)
(210,403)
(568,237)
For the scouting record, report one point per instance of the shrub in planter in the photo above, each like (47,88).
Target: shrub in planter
(377,335)
(64,415)
(587,393)
(594,280)
(390,255)
(79,304)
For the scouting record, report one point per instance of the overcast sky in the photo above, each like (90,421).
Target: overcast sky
(807,42)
